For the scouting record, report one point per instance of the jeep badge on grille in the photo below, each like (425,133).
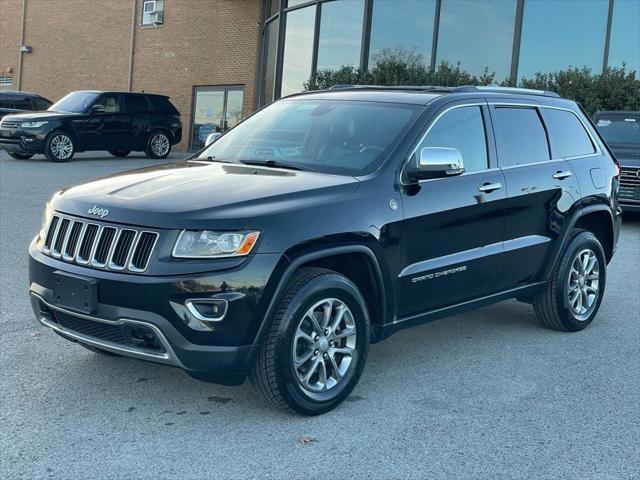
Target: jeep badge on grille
(100,212)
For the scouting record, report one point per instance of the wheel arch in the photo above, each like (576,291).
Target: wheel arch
(598,219)
(346,260)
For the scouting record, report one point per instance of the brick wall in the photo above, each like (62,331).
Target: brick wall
(85,44)
(10,20)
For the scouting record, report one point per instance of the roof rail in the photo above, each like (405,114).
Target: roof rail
(498,89)
(416,88)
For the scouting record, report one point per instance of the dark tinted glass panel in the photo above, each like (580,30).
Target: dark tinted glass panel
(568,136)
(415,36)
(340,34)
(619,128)
(75,102)
(41,103)
(625,35)
(339,137)
(522,136)
(298,49)
(22,103)
(557,34)
(461,128)
(271,48)
(162,104)
(137,103)
(478,34)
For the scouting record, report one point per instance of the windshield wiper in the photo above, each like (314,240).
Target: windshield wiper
(276,164)
(211,158)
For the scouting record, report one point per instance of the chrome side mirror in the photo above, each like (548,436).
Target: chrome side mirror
(437,162)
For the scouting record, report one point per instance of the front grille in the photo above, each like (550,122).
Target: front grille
(137,336)
(99,245)
(10,124)
(629,184)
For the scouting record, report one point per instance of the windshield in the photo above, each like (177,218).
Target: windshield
(340,137)
(619,128)
(75,102)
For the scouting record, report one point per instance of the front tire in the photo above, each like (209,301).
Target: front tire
(572,298)
(20,156)
(120,153)
(59,147)
(158,145)
(317,346)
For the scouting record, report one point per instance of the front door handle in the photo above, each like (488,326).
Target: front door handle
(490,187)
(562,175)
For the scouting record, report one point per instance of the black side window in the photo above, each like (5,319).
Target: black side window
(523,139)
(162,104)
(22,103)
(137,104)
(461,128)
(40,103)
(568,136)
(110,102)
(5,103)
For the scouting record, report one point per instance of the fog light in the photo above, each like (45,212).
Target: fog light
(207,310)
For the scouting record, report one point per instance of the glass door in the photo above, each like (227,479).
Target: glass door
(215,109)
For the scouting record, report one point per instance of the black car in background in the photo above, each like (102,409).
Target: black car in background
(12,101)
(330,220)
(621,131)
(91,120)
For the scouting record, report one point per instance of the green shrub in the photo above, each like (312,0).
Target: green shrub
(615,89)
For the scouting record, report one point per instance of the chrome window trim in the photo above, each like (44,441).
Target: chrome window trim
(596,145)
(168,357)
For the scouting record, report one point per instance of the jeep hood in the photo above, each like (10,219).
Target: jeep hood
(197,194)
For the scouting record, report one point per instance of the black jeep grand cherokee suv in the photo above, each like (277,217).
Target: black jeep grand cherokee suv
(82,121)
(330,220)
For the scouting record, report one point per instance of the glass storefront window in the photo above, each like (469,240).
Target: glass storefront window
(298,49)
(557,34)
(415,36)
(478,35)
(625,35)
(293,3)
(271,50)
(340,34)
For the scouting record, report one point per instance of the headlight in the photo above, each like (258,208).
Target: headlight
(207,244)
(32,124)
(46,220)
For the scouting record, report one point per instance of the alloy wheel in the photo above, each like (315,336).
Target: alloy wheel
(324,345)
(583,284)
(61,147)
(160,144)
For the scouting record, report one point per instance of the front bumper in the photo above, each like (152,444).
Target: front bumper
(26,142)
(129,303)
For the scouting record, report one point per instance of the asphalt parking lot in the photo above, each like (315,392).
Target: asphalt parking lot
(488,394)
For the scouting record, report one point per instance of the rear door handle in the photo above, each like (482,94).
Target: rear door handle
(490,187)
(562,175)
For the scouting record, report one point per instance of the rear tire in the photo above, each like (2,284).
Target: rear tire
(59,147)
(158,145)
(120,153)
(572,298)
(308,372)
(20,156)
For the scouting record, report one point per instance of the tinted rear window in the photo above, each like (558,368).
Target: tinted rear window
(523,139)
(41,103)
(137,103)
(568,136)
(619,128)
(162,104)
